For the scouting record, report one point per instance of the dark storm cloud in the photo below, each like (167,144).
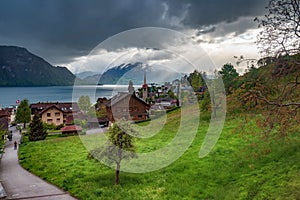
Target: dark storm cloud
(60,30)
(207,12)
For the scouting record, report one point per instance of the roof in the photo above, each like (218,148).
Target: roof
(122,95)
(50,106)
(71,128)
(63,106)
(4,113)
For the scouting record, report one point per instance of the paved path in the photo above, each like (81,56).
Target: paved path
(20,184)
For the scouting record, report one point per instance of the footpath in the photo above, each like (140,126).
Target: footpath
(17,183)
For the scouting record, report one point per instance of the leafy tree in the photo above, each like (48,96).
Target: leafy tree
(196,79)
(280,33)
(130,87)
(23,114)
(37,131)
(84,104)
(280,41)
(229,75)
(120,145)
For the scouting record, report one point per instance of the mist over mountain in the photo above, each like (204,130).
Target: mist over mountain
(19,67)
(123,73)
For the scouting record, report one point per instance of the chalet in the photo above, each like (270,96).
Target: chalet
(128,106)
(55,113)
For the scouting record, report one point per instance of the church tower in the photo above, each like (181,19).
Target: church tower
(145,88)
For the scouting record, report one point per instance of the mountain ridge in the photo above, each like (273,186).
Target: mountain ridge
(19,67)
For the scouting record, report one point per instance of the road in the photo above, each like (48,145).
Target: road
(19,183)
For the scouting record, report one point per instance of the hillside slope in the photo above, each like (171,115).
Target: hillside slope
(19,67)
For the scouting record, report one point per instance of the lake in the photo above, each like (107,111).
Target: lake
(9,95)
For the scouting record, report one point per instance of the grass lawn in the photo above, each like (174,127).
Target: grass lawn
(230,171)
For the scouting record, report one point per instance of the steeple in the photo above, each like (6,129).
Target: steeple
(145,82)
(145,88)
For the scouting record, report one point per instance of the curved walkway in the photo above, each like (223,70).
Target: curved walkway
(19,183)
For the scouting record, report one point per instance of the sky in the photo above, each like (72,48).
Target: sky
(71,33)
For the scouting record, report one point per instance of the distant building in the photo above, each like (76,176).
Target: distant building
(128,106)
(4,120)
(55,113)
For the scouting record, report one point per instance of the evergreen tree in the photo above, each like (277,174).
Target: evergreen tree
(37,131)
(23,114)
(229,75)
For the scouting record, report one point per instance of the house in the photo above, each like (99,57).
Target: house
(4,120)
(55,113)
(128,106)
(72,129)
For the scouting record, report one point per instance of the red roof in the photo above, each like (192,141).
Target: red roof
(71,128)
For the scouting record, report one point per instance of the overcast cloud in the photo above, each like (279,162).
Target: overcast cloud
(65,31)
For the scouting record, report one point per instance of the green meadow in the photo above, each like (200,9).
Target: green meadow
(238,167)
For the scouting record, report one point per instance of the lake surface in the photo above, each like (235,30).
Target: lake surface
(9,95)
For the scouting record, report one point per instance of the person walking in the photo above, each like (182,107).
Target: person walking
(15,145)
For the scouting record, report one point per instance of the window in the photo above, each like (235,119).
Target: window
(48,114)
(57,114)
(140,116)
(58,120)
(49,121)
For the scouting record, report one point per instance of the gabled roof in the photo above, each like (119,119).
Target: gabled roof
(66,107)
(50,106)
(122,95)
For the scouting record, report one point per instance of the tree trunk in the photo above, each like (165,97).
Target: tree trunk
(117,173)
(118,166)
(24,125)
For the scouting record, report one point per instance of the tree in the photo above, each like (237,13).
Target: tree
(280,41)
(84,104)
(196,79)
(2,141)
(23,114)
(120,145)
(280,28)
(37,131)
(130,87)
(229,75)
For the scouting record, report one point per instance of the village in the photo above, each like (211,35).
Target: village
(76,117)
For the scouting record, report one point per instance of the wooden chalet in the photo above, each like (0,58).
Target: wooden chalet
(128,106)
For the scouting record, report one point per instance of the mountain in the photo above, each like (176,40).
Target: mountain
(19,67)
(86,74)
(123,73)
(89,80)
